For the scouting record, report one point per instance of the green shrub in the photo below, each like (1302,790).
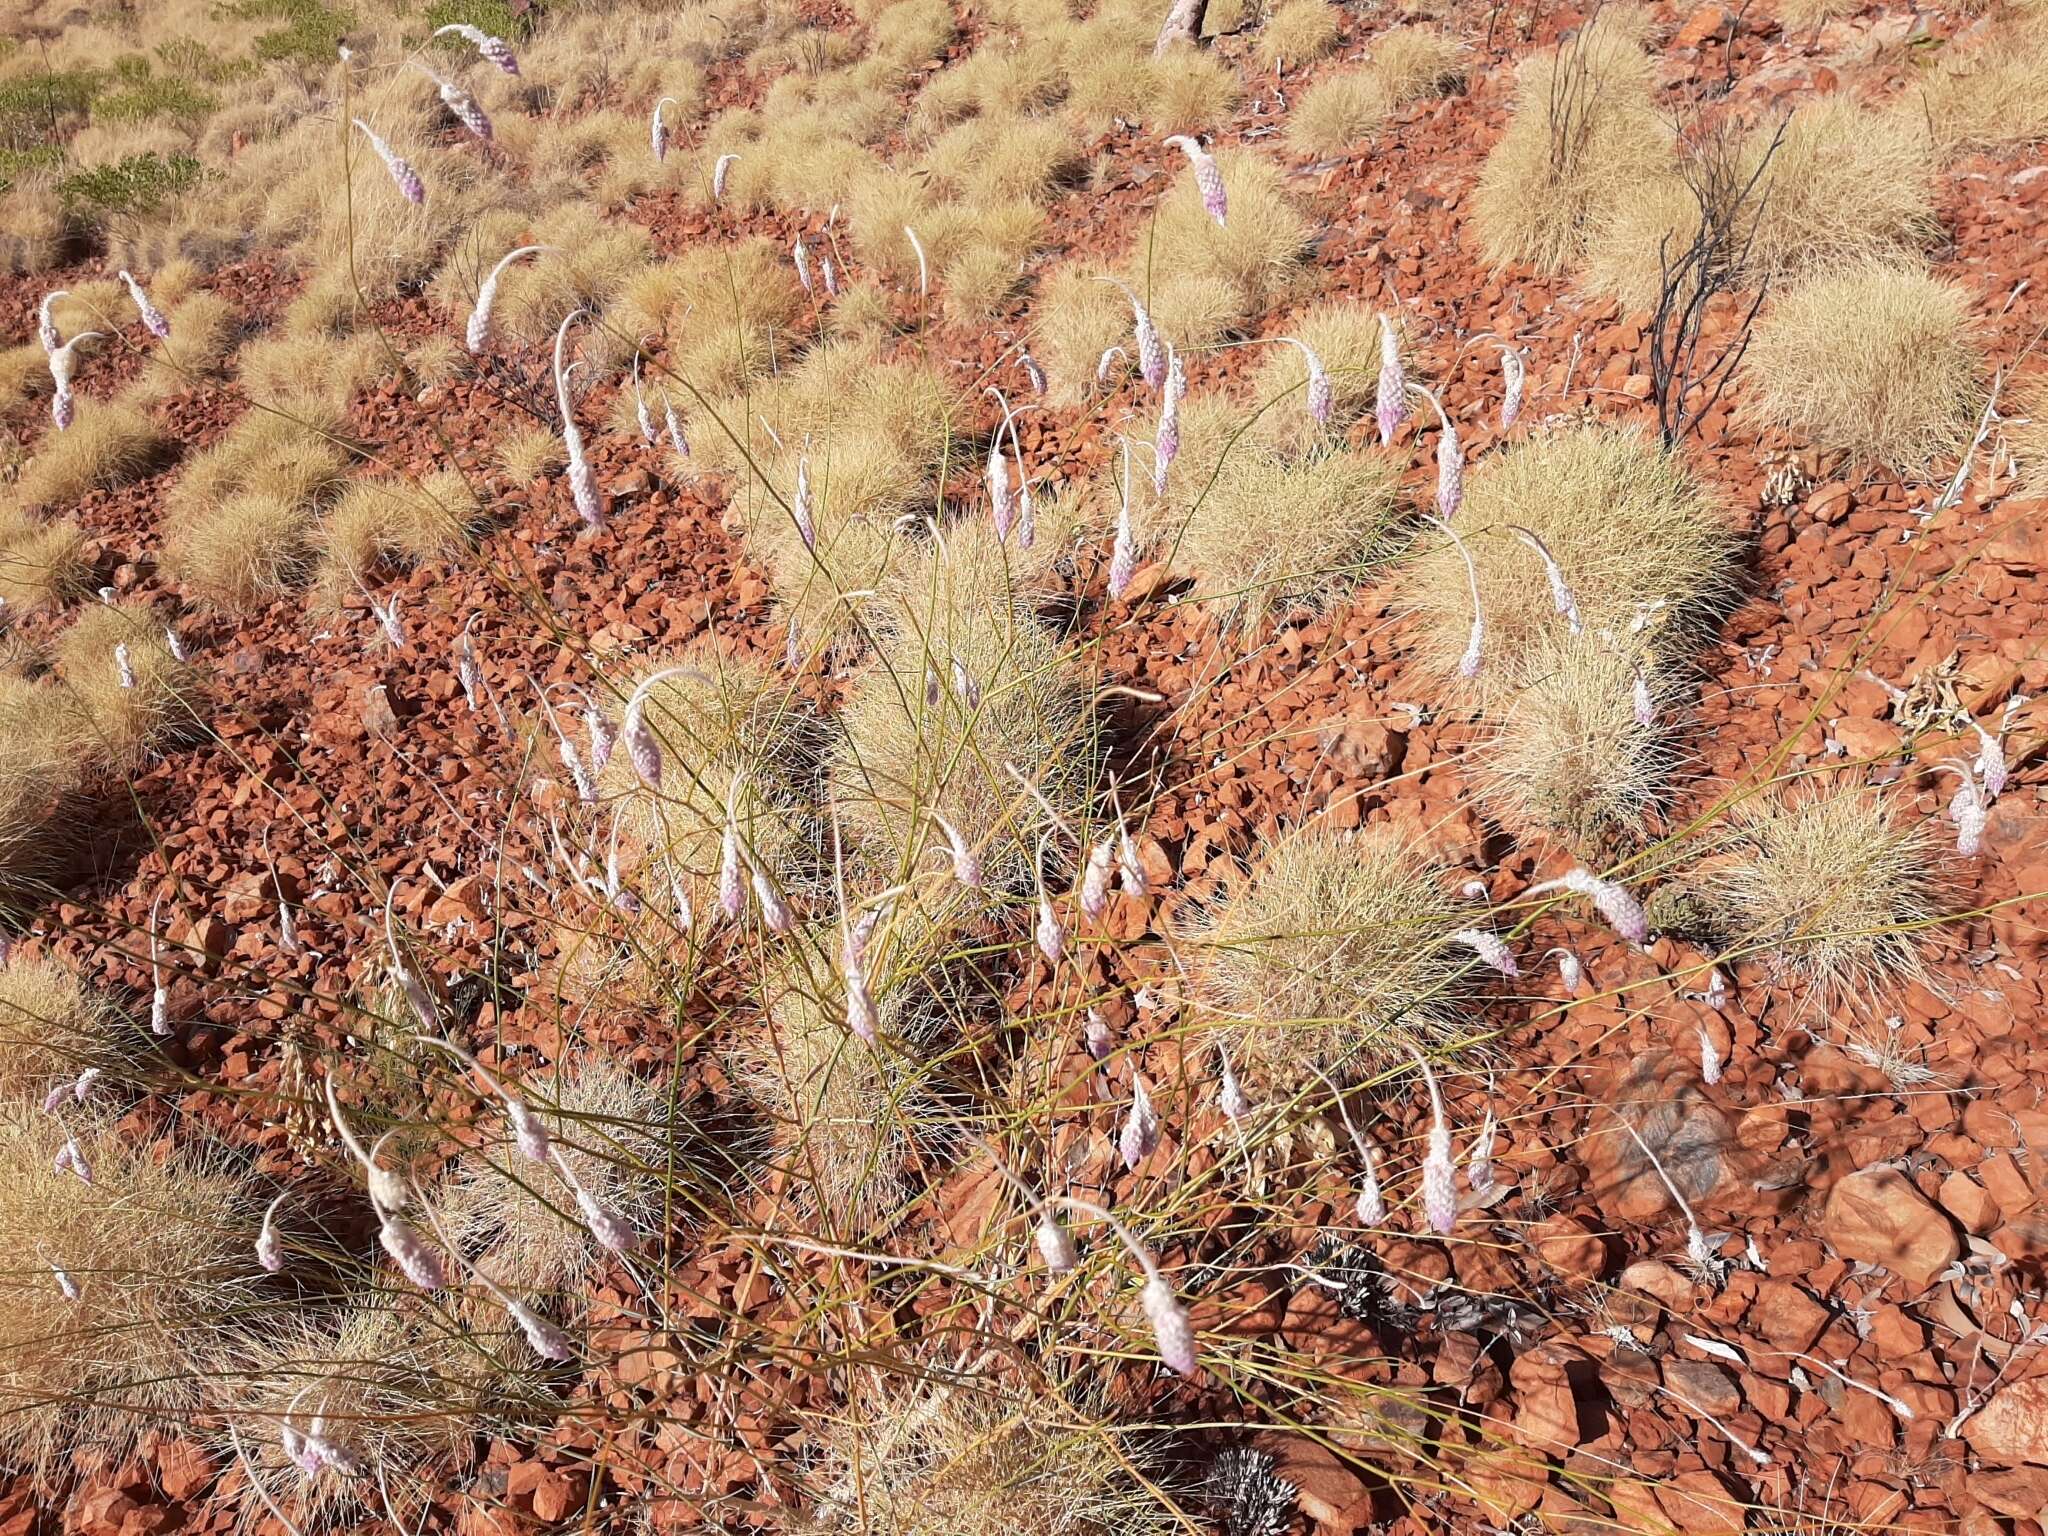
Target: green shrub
(33,108)
(501,18)
(17,162)
(146,98)
(135,184)
(310,34)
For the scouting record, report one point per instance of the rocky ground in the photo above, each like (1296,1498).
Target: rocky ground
(1870,1353)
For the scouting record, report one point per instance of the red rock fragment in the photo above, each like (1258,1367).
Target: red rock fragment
(1878,1216)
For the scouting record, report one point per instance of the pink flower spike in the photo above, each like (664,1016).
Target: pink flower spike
(1479,1167)
(124,669)
(1622,911)
(1450,459)
(269,1246)
(582,483)
(1439,1172)
(830,275)
(1130,869)
(1372,1204)
(1561,595)
(1051,938)
(46,319)
(1489,948)
(1033,374)
(775,912)
(1002,496)
(1468,664)
(1390,404)
(542,1336)
(862,1017)
(1123,554)
(1109,355)
(657,130)
(1095,881)
(1166,442)
(1968,810)
(1170,1327)
(1321,399)
(460,104)
(63,363)
(493,50)
(966,862)
(1141,1126)
(73,1159)
(1515,372)
(1570,970)
(153,319)
(732,882)
(1208,178)
(1056,1245)
(478,334)
(64,1281)
(802,258)
(800,508)
(1641,700)
(417,1259)
(1151,351)
(1096,1036)
(403,176)
(1710,1059)
(642,417)
(1990,762)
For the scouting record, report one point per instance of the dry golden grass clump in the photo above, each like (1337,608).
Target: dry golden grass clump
(1332,953)
(963,574)
(32,224)
(588,260)
(1297,32)
(44,563)
(518,1222)
(277,370)
(1584,138)
(1006,695)
(108,444)
(529,452)
(1878,360)
(1339,110)
(52,1027)
(726,724)
(993,158)
(41,766)
(1006,77)
(725,314)
(2025,430)
(156,1249)
(937,1461)
(1647,555)
(1077,318)
(394,1389)
(1258,256)
(1571,755)
(1985,96)
(124,715)
(848,1123)
(1185,91)
(436,361)
(24,371)
(1834,885)
(1270,533)
(202,336)
(389,517)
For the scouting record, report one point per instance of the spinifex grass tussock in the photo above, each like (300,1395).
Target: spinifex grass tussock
(1272,532)
(390,518)
(2025,430)
(849,1124)
(1575,752)
(1183,91)
(311,366)
(202,335)
(725,315)
(381,1380)
(1076,320)
(992,158)
(929,737)
(738,751)
(1332,953)
(41,769)
(108,444)
(1295,33)
(1584,136)
(24,371)
(963,574)
(1339,110)
(1835,884)
(116,665)
(117,1289)
(435,361)
(528,453)
(1259,253)
(929,1460)
(519,1223)
(1877,359)
(44,562)
(1982,96)
(589,258)
(1004,77)
(53,1028)
(1647,554)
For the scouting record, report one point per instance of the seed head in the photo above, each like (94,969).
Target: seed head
(403,176)
(1321,399)
(830,275)
(1166,443)
(71,1159)
(64,1281)
(1475,643)
(611,1230)
(800,508)
(1372,1204)
(1710,1058)
(1514,372)
(1151,351)
(493,50)
(124,669)
(1208,179)
(1439,1172)
(1641,700)
(1109,355)
(176,644)
(1123,554)
(1450,460)
(1141,1126)
(1170,1327)
(1570,970)
(966,862)
(1096,1036)
(1230,1096)
(675,428)
(1479,1168)
(1968,810)
(1002,496)
(546,1340)
(1130,869)
(153,319)
(861,1015)
(1033,374)
(1390,402)
(642,417)
(478,335)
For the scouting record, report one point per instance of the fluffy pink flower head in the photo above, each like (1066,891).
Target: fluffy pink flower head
(802,258)
(1450,459)
(153,319)
(1056,1245)
(1140,1134)
(1096,1036)
(1390,401)
(403,176)
(1171,1330)
(1123,554)
(417,1259)
(966,862)
(461,105)
(1166,443)
(657,129)
(1230,1095)
(1570,970)
(269,1246)
(800,509)
(1439,1172)
(1130,868)
(732,880)
(124,669)
(1321,398)
(46,319)
(542,1336)
(829,275)
(1208,179)
(1050,937)
(643,747)
(1490,949)
(862,1017)
(1623,912)
(64,1281)
(1372,1204)
(478,334)
(582,482)
(1515,372)
(1151,350)
(1642,702)
(493,50)
(1968,809)
(1561,595)
(71,1159)
(1095,876)
(1710,1059)
(643,418)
